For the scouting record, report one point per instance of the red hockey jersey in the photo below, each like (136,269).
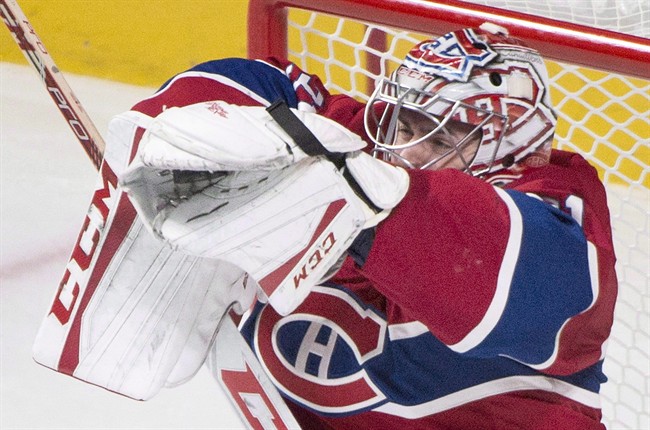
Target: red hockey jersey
(475,304)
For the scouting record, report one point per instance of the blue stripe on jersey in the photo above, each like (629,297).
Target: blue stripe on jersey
(261,78)
(551,283)
(420,369)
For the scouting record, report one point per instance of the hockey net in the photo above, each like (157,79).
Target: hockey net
(598,54)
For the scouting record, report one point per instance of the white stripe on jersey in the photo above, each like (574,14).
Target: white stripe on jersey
(218,78)
(491,388)
(498,304)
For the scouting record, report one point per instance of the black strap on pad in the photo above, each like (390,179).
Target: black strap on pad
(310,144)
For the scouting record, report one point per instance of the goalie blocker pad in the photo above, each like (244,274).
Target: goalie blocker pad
(287,232)
(281,215)
(131,314)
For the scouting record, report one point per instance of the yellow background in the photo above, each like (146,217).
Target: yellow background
(139,42)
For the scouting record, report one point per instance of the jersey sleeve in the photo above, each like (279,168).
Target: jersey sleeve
(233,80)
(489,271)
(312,95)
(255,83)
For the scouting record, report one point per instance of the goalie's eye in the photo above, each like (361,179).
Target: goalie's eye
(442,142)
(404,133)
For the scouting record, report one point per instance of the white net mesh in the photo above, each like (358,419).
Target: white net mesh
(605,117)
(624,16)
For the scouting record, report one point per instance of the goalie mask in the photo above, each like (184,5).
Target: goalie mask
(474,99)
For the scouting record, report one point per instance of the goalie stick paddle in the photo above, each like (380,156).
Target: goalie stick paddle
(256,397)
(252,383)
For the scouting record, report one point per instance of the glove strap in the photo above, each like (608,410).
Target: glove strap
(305,139)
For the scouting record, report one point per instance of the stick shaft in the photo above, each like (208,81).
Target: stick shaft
(61,93)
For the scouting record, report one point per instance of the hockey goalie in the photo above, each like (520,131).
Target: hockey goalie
(424,260)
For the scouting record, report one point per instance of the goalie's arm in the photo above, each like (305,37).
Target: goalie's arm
(470,273)
(236,81)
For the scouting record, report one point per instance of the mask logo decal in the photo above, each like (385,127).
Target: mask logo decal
(452,56)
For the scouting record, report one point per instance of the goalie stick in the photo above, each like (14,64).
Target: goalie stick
(240,374)
(35,52)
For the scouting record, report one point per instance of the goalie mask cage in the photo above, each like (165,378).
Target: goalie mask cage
(599,64)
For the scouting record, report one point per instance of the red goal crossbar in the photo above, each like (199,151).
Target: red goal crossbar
(556,40)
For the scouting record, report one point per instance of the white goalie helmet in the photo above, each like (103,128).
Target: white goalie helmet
(491,84)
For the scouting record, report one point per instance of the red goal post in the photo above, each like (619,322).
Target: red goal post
(557,40)
(600,87)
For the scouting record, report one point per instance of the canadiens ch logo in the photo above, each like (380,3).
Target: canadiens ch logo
(316,354)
